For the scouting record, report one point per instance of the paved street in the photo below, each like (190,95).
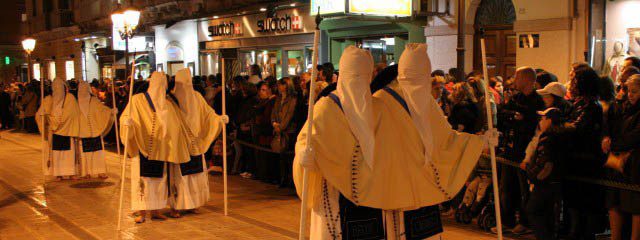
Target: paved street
(87,209)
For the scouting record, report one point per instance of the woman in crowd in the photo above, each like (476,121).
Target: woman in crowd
(439,93)
(615,129)
(625,138)
(29,103)
(246,164)
(585,158)
(283,127)
(464,111)
(266,170)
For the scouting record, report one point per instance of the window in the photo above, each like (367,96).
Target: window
(52,70)
(70,69)
(36,71)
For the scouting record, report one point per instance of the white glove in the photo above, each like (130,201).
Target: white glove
(114,111)
(308,159)
(225,119)
(491,137)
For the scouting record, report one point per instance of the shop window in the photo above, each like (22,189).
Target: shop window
(70,69)
(52,70)
(36,71)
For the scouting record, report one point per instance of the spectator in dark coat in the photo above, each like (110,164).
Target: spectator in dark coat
(518,121)
(624,137)
(464,112)
(585,202)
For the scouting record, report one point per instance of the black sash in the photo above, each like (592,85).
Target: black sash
(422,223)
(91,144)
(335,99)
(60,143)
(150,168)
(398,98)
(360,223)
(194,166)
(153,107)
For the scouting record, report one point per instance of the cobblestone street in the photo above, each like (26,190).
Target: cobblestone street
(87,209)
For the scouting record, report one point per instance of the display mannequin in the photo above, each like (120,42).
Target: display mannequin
(613,65)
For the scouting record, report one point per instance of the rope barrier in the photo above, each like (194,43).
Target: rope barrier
(500,160)
(596,181)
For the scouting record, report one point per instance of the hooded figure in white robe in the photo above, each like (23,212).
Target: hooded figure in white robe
(343,134)
(415,166)
(61,128)
(96,120)
(202,126)
(417,128)
(154,139)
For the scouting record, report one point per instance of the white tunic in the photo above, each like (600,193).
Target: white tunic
(189,191)
(147,193)
(92,163)
(325,219)
(61,163)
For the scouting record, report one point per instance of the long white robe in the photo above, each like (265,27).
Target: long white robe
(325,221)
(148,193)
(202,126)
(61,122)
(92,162)
(154,132)
(96,120)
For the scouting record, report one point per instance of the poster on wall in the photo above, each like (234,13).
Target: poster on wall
(327,6)
(634,41)
(401,8)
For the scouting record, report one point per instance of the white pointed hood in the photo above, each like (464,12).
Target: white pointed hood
(84,96)
(414,69)
(183,91)
(58,93)
(158,93)
(356,70)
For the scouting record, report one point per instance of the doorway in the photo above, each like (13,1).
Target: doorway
(494,19)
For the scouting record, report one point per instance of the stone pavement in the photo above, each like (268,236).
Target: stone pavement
(87,209)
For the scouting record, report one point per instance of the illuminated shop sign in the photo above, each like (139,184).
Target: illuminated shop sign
(400,8)
(327,6)
(381,7)
(279,24)
(225,29)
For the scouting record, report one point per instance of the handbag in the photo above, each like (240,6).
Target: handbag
(279,142)
(617,161)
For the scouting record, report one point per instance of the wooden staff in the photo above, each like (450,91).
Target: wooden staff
(124,156)
(43,132)
(312,88)
(115,114)
(224,140)
(492,150)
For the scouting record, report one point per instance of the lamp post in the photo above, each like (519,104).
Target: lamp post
(28,45)
(126,23)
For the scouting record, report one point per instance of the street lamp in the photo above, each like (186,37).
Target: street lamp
(126,23)
(28,45)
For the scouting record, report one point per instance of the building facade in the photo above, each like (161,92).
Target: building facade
(76,39)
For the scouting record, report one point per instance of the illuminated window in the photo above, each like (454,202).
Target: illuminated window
(36,71)
(52,70)
(69,69)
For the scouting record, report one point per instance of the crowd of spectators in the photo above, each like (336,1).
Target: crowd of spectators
(586,127)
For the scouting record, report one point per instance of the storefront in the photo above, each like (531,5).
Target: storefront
(141,50)
(614,34)
(281,44)
(177,47)
(382,28)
